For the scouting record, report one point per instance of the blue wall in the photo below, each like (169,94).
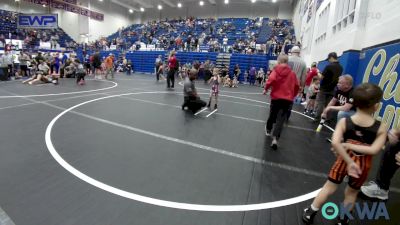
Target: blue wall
(378,65)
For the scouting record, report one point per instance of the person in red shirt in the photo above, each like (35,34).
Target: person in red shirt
(310,75)
(172,66)
(285,87)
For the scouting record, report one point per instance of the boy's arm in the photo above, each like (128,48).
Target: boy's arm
(375,147)
(352,168)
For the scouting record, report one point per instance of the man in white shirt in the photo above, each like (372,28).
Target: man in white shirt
(8,60)
(225,43)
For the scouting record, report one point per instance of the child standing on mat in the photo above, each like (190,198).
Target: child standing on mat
(80,72)
(311,96)
(363,137)
(214,81)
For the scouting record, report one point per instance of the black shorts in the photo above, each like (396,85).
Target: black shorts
(23,68)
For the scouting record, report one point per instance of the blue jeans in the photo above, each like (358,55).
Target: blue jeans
(343,114)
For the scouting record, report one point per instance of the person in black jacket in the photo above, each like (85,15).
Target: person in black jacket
(330,78)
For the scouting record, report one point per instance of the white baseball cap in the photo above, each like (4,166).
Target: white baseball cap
(296,49)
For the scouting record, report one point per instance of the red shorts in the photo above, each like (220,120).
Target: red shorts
(339,170)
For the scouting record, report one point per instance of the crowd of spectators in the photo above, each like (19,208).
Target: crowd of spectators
(223,35)
(31,37)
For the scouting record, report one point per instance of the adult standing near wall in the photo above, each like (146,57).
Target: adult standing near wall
(285,87)
(172,66)
(330,78)
(299,67)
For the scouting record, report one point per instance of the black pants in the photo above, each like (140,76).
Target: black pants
(388,166)
(80,76)
(10,70)
(289,111)
(171,78)
(24,68)
(323,99)
(278,114)
(193,103)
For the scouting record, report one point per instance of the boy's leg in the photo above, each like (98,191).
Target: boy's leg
(327,190)
(273,112)
(281,117)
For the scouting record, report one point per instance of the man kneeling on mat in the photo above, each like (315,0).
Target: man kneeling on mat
(191,99)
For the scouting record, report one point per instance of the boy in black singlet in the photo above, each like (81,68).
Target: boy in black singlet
(363,137)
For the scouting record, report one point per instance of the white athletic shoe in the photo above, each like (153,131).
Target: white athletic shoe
(267,132)
(274,144)
(372,190)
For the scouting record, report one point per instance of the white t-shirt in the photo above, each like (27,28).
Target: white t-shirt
(225,41)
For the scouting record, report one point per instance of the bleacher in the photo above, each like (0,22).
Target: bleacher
(245,62)
(8,24)
(233,28)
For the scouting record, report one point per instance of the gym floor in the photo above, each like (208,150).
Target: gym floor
(122,151)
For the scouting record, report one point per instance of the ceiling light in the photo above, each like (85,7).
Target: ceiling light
(44,5)
(141,9)
(179,5)
(159,7)
(201,3)
(273,0)
(100,0)
(226,1)
(253,1)
(17,0)
(130,10)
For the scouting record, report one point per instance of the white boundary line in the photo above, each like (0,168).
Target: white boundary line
(214,111)
(231,92)
(5,219)
(65,93)
(153,201)
(197,113)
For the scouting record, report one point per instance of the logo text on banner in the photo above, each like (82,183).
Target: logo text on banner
(38,21)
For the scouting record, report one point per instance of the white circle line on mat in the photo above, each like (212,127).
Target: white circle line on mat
(154,201)
(65,93)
